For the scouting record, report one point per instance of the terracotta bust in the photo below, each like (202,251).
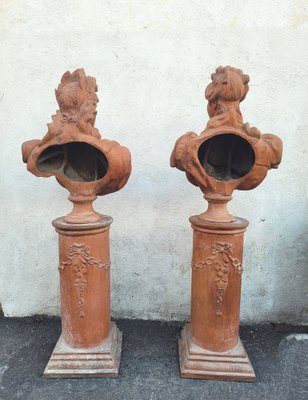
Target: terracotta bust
(74,152)
(228,154)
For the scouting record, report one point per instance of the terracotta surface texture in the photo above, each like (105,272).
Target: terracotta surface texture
(227,155)
(86,165)
(74,152)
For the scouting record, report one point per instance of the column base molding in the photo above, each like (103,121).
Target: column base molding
(196,362)
(100,361)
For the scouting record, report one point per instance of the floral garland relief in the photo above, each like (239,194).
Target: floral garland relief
(221,260)
(79,259)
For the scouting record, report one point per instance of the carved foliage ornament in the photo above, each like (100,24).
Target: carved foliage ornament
(79,259)
(222,260)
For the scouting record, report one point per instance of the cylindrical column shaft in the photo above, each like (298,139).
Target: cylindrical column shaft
(216,282)
(84,281)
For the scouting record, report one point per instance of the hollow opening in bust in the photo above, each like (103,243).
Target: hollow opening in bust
(77,161)
(226,157)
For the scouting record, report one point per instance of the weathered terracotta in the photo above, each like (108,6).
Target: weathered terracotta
(86,165)
(227,155)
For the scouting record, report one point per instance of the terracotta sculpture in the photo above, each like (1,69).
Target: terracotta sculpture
(86,165)
(227,155)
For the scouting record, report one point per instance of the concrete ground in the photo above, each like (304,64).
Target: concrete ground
(149,365)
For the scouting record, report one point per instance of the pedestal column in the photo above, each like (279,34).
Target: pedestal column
(228,155)
(90,345)
(210,346)
(87,166)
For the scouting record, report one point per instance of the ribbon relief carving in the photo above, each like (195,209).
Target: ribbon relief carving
(221,260)
(79,259)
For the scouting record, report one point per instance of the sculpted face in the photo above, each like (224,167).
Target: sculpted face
(89,111)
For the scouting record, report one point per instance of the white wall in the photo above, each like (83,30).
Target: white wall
(152,61)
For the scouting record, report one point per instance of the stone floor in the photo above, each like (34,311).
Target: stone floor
(149,365)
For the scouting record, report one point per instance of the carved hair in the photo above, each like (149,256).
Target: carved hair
(77,99)
(74,90)
(228,83)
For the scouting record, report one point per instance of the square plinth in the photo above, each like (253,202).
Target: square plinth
(196,362)
(100,361)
